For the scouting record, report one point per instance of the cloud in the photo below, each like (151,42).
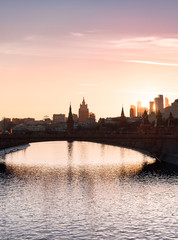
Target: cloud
(166,42)
(77,34)
(132,42)
(152,63)
(142,42)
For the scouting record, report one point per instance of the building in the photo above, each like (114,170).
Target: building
(70,121)
(171,109)
(143,109)
(145,126)
(83,112)
(139,107)
(132,111)
(122,117)
(17,121)
(75,117)
(166,102)
(159,103)
(151,107)
(91,118)
(59,118)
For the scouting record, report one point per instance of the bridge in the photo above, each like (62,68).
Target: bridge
(156,145)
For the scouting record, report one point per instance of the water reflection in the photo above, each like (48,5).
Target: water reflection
(69,164)
(80,190)
(81,161)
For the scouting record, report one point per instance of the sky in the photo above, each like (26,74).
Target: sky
(112,52)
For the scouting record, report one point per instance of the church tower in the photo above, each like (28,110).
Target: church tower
(70,121)
(83,112)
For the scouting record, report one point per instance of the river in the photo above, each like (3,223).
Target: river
(81,190)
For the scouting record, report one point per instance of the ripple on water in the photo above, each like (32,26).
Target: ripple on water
(87,191)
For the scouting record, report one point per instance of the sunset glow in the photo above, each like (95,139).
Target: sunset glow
(55,52)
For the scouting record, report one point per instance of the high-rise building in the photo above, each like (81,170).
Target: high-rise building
(166,102)
(83,112)
(139,109)
(159,104)
(143,109)
(132,111)
(151,109)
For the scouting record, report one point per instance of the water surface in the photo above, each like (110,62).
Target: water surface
(81,190)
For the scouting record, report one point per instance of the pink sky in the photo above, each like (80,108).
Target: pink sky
(113,54)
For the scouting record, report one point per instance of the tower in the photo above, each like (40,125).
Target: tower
(170,120)
(122,113)
(83,112)
(159,104)
(159,120)
(139,106)
(166,102)
(151,109)
(122,117)
(70,121)
(145,118)
(132,111)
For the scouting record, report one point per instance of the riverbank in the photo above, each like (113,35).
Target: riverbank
(13,149)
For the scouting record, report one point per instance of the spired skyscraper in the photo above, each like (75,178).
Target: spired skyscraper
(83,112)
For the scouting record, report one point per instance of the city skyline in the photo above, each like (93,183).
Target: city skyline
(113,53)
(85,116)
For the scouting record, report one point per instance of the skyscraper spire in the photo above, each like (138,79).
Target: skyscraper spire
(83,112)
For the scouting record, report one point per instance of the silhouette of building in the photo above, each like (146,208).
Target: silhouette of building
(75,117)
(166,102)
(145,126)
(159,120)
(91,118)
(59,118)
(143,109)
(17,121)
(139,106)
(70,121)
(151,107)
(140,109)
(173,109)
(159,104)
(122,117)
(170,124)
(132,111)
(170,120)
(83,112)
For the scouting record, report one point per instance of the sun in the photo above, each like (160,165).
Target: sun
(146,97)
